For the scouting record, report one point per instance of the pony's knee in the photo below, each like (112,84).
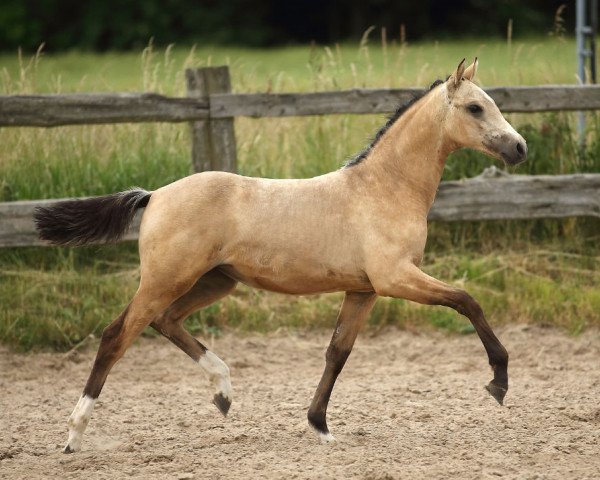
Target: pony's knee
(463,303)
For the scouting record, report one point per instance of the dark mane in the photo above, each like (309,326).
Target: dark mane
(391,120)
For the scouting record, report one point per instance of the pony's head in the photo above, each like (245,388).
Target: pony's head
(474,120)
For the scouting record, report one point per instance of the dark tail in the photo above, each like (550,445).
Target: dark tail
(101,219)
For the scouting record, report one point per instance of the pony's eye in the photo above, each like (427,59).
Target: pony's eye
(474,108)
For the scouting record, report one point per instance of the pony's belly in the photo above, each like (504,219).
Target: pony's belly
(297,283)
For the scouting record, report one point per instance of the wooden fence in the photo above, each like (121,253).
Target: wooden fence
(210,107)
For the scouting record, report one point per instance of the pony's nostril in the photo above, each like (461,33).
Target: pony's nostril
(521,149)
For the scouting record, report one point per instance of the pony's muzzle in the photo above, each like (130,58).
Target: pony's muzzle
(520,152)
(512,151)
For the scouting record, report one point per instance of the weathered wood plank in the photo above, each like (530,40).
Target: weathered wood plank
(79,109)
(318,103)
(546,98)
(221,130)
(202,152)
(213,140)
(495,195)
(363,101)
(490,196)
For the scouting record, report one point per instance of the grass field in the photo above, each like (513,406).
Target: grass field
(532,271)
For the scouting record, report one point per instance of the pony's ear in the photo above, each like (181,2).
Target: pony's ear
(455,79)
(471,70)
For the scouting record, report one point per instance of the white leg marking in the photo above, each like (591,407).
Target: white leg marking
(326,437)
(78,421)
(218,372)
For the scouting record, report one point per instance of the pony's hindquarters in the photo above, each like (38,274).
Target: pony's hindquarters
(170,266)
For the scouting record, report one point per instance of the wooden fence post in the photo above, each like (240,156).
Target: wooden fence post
(213,140)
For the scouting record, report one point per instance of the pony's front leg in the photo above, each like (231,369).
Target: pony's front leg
(412,284)
(352,316)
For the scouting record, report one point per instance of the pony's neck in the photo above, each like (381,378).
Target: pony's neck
(409,159)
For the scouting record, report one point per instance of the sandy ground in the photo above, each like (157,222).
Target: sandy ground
(406,406)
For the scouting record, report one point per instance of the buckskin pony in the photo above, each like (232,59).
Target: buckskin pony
(360,229)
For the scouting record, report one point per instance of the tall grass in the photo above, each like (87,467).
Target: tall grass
(83,160)
(538,271)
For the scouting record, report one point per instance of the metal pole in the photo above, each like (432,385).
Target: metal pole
(593,33)
(580,32)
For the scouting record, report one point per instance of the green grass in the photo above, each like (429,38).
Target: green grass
(530,271)
(59,162)
(301,68)
(56,300)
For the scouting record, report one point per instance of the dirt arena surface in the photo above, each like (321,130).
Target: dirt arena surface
(406,406)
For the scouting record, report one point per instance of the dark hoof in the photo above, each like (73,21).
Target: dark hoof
(68,449)
(497,392)
(222,403)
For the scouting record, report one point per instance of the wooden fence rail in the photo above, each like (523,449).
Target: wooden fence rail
(96,108)
(364,101)
(493,195)
(78,109)
(210,107)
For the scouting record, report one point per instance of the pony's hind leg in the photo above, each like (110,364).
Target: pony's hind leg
(352,316)
(116,338)
(149,302)
(208,289)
